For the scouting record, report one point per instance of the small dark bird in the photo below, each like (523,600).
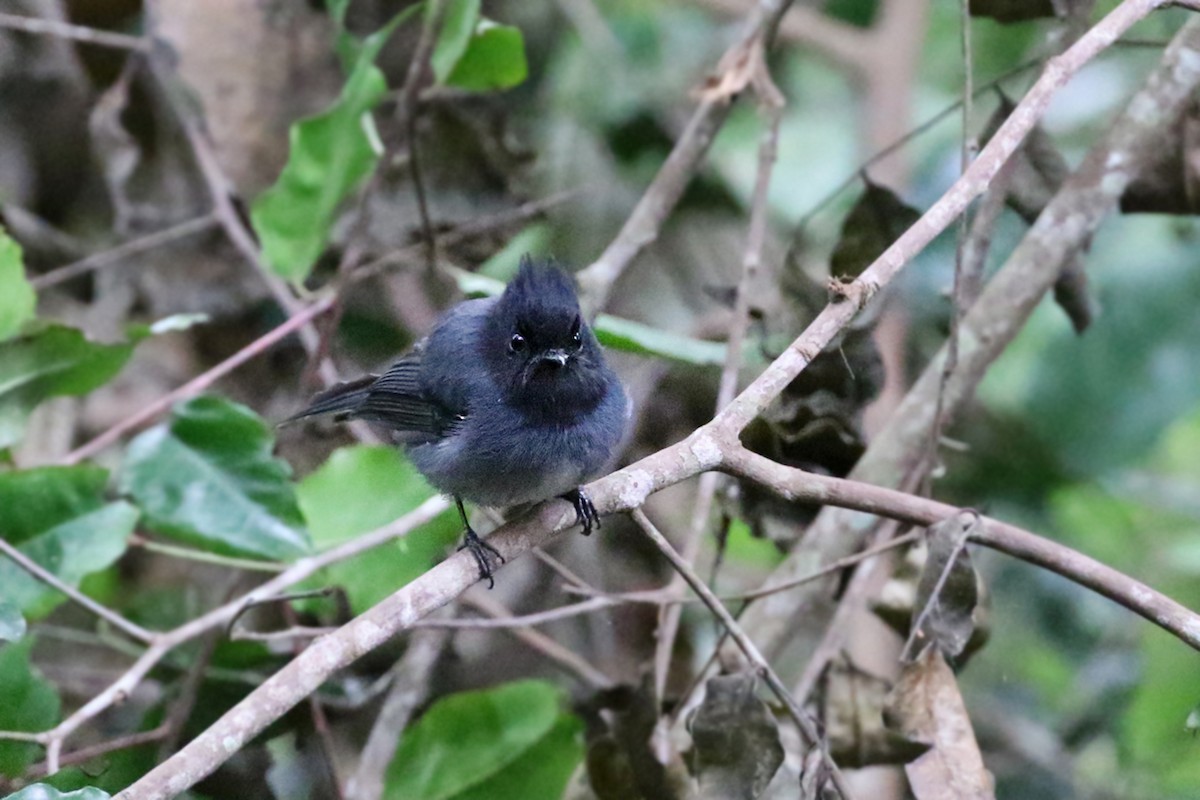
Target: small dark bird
(508,401)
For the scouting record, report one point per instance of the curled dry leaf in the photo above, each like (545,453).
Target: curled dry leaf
(927,706)
(1170,183)
(854,705)
(737,748)
(1038,172)
(944,607)
(620,762)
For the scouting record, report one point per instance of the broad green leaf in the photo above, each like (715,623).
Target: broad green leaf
(51,361)
(542,772)
(71,551)
(358,489)
(40,791)
(207,477)
(495,59)
(329,154)
(619,333)
(12,622)
(458,26)
(634,337)
(466,744)
(58,517)
(17,298)
(30,704)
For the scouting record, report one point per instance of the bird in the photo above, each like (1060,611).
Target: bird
(508,401)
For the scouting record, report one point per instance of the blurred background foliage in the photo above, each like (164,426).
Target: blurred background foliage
(1091,439)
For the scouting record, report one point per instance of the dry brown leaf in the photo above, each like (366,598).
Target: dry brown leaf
(926,706)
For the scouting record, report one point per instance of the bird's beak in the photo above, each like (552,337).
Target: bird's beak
(555,358)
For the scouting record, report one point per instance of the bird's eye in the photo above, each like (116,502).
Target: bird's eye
(576,333)
(516,343)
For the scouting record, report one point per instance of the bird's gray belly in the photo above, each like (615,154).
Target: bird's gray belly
(489,469)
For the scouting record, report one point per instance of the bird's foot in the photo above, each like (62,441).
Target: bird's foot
(585,513)
(483,553)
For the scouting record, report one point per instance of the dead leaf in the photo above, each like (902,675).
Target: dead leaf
(943,612)
(875,221)
(927,706)
(1170,182)
(737,748)
(1038,171)
(620,764)
(854,705)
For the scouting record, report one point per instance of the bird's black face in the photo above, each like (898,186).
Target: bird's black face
(544,354)
(546,346)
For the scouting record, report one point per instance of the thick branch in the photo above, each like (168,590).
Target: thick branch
(1068,222)
(629,488)
(807,487)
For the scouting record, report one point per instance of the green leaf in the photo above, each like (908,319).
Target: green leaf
(622,334)
(458,26)
(358,489)
(12,623)
(57,516)
(634,337)
(51,361)
(30,704)
(17,298)
(329,155)
(495,59)
(471,744)
(541,773)
(207,477)
(40,791)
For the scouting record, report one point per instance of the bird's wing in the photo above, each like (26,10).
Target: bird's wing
(393,399)
(396,400)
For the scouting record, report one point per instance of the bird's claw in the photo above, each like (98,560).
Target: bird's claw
(483,553)
(586,515)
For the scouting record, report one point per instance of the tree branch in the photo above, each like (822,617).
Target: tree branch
(704,450)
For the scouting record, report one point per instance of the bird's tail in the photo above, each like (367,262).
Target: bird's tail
(343,400)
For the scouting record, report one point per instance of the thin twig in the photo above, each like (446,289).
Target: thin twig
(50,579)
(500,622)
(932,459)
(63,30)
(798,715)
(409,111)
(771,106)
(806,487)
(644,222)
(201,382)
(203,556)
(123,251)
(219,617)
(410,679)
(85,754)
(571,662)
(852,602)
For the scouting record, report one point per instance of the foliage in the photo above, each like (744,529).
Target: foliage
(1090,440)
(208,477)
(57,517)
(330,154)
(359,489)
(30,704)
(512,741)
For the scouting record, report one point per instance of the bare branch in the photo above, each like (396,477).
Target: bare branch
(660,197)
(50,579)
(78,33)
(123,251)
(802,720)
